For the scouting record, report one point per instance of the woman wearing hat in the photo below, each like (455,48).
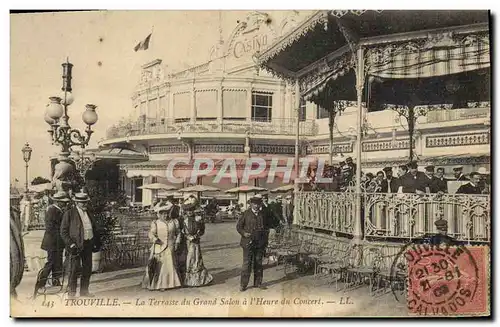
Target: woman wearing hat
(161,272)
(195,274)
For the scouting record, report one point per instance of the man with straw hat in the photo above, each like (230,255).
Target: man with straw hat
(78,230)
(52,242)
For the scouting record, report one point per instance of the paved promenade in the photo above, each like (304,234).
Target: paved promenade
(222,256)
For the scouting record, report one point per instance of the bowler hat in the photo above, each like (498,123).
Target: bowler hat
(458,168)
(257,198)
(60,196)
(387,169)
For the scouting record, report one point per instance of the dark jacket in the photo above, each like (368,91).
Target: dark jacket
(412,183)
(52,240)
(275,214)
(469,189)
(384,187)
(72,230)
(174,211)
(462,178)
(442,184)
(255,226)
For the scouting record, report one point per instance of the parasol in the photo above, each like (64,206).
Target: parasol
(246,189)
(155,187)
(198,189)
(283,189)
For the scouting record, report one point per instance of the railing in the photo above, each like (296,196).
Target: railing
(277,126)
(437,116)
(397,216)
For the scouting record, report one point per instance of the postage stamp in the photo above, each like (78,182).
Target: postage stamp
(445,278)
(257,163)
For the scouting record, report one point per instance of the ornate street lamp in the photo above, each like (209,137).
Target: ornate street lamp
(61,132)
(83,162)
(27,157)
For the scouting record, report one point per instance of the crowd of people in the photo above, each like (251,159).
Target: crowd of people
(408,180)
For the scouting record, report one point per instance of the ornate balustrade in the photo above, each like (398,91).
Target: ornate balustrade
(277,126)
(475,110)
(397,216)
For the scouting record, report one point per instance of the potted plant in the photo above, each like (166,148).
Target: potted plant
(105,223)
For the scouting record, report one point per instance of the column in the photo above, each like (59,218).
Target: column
(249,104)
(220,109)
(360,78)
(193,105)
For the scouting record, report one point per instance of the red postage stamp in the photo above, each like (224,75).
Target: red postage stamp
(447,280)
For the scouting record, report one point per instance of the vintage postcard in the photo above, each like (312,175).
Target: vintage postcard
(321,163)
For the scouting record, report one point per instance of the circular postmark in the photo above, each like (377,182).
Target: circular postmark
(437,276)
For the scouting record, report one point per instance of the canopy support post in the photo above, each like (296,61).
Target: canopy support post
(297,134)
(360,79)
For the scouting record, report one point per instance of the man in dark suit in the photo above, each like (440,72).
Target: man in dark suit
(390,184)
(442,182)
(459,175)
(471,187)
(52,241)
(79,233)
(414,181)
(254,239)
(432,181)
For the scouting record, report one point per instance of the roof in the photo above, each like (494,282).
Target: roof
(324,32)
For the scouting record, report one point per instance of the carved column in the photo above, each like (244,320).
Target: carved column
(193,104)
(249,104)
(220,106)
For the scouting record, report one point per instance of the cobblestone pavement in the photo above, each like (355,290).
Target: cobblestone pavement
(222,256)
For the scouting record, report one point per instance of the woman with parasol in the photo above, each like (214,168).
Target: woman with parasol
(161,272)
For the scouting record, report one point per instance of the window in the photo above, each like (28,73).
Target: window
(321,112)
(302,110)
(262,104)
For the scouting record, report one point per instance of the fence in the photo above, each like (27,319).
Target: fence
(275,126)
(396,216)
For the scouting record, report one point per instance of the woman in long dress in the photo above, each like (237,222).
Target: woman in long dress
(161,272)
(194,227)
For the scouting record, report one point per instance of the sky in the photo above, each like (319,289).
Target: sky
(40,43)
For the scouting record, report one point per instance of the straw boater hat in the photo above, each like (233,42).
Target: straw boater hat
(60,197)
(483,171)
(81,197)
(257,198)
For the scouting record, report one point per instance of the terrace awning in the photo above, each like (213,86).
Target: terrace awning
(401,45)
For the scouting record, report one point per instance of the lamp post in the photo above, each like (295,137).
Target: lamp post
(61,132)
(83,162)
(27,157)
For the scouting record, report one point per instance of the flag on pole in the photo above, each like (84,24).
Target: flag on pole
(144,44)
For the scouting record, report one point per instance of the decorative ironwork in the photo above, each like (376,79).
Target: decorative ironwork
(277,126)
(398,144)
(221,148)
(272,149)
(396,216)
(177,148)
(411,215)
(447,140)
(337,148)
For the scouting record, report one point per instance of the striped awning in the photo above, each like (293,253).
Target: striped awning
(445,54)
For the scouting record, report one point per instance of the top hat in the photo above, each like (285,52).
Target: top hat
(429,168)
(387,169)
(81,197)
(60,196)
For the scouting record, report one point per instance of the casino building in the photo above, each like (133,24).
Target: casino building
(229,107)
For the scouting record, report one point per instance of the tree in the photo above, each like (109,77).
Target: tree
(39,180)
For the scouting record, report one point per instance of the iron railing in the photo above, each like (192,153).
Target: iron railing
(396,216)
(276,126)
(437,116)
